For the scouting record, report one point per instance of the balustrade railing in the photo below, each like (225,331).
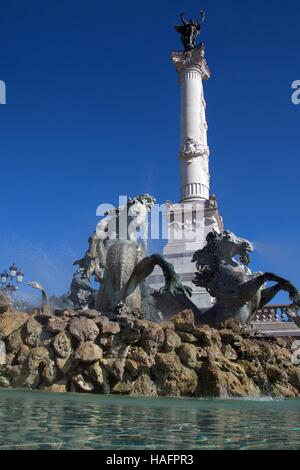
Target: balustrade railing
(272,313)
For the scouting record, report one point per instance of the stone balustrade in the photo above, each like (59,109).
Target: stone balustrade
(272,313)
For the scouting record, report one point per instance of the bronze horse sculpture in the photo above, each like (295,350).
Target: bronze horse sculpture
(239,293)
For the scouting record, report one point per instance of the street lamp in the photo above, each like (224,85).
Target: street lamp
(13,271)
(10,280)
(4,277)
(20,277)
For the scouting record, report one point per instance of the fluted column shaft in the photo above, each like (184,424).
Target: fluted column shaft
(194,152)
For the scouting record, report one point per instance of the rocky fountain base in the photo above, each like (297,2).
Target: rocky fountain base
(88,352)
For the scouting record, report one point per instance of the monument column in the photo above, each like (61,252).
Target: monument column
(190,221)
(194,152)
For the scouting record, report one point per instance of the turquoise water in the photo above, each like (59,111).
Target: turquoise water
(38,420)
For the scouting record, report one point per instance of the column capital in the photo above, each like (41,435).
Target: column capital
(191,60)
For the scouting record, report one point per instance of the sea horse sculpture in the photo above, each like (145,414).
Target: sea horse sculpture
(239,293)
(119,262)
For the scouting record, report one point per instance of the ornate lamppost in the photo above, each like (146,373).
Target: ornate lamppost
(11,279)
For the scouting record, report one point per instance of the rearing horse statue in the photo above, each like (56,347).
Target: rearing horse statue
(239,293)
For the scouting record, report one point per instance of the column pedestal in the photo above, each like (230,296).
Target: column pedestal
(179,249)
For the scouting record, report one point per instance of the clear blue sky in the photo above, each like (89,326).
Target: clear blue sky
(93,112)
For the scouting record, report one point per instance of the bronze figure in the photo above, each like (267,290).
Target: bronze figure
(189,31)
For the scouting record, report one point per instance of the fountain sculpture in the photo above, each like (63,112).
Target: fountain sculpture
(122,266)
(119,262)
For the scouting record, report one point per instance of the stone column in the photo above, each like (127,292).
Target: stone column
(197,213)
(194,152)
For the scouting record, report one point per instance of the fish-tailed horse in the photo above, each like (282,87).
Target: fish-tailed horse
(238,292)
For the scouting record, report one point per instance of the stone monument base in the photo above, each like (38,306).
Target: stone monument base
(91,353)
(196,218)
